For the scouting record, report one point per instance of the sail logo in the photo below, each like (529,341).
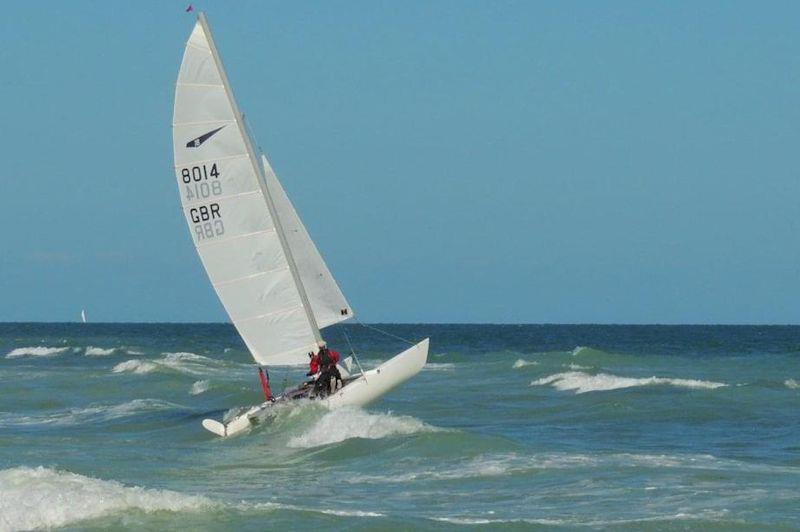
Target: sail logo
(195,143)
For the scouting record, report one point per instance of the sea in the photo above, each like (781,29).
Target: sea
(508,427)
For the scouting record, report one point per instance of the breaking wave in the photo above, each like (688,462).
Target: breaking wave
(199,387)
(36,352)
(43,498)
(89,414)
(521,363)
(99,351)
(581,382)
(345,423)
(183,362)
(791,384)
(139,367)
(439,366)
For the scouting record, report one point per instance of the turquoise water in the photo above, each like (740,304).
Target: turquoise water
(508,427)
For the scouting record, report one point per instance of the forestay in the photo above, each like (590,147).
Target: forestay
(233,222)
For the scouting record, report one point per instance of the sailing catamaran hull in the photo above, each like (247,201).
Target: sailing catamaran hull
(364,390)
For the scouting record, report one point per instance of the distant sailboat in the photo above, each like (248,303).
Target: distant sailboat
(83,316)
(265,268)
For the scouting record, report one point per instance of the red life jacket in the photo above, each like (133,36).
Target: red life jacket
(328,357)
(313,365)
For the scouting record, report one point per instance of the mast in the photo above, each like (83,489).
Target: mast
(262,181)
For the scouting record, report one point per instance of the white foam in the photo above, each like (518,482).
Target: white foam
(521,363)
(441,366)
(199,387)
(578,349)
(577,366)
(44,498)
(89,414)
(99,351)
(39,351)
(134,366)
(791,384)
(345,423)
(582,382)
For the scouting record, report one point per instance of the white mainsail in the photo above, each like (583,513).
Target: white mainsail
(83,315)
(236,227)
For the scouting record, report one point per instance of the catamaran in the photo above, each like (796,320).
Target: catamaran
(261,261)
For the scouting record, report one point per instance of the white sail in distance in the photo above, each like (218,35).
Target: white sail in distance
(233,221)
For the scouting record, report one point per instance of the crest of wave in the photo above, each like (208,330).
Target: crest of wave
(89,414)
(43,498)
(134,366)
(187,363)
(99,351)
(791,384)
(39,351)
(199,387)
(582,382)
(345,423)
(521,363)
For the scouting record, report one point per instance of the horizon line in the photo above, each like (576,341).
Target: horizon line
(538,324)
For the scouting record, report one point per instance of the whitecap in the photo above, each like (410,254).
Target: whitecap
(199,387)
(521,363)
(581,382)
(43,498)
(89,414)
(345,423)
(578,349)
(36,352)
(441,366)
(577,366)
(791,384)
(134,366)
(99,351)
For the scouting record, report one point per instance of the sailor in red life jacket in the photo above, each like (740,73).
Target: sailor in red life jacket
(313,364)
(329,379)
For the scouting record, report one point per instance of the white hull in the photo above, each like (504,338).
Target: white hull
(366,389)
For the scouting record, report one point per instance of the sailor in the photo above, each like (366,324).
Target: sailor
(329,379)
(313,364)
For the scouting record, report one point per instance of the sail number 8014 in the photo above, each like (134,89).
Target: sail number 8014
(201,181)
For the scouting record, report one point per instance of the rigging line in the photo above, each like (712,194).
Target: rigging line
(353,354)
(409,342)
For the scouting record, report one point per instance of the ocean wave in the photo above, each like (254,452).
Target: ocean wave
(578,350)
(439,366)
(582,382)
(346,423)
(199,387)
(89,414)
(182,362)
(521,363)
(139,367)
(43,498)
(39,351)
(507,464)
(791,384)
(713,516)
(99,351)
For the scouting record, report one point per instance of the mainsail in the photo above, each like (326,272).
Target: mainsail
(265,269)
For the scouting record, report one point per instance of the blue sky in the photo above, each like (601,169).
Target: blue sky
(620,162)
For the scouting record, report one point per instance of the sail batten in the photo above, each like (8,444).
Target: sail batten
(236,222)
